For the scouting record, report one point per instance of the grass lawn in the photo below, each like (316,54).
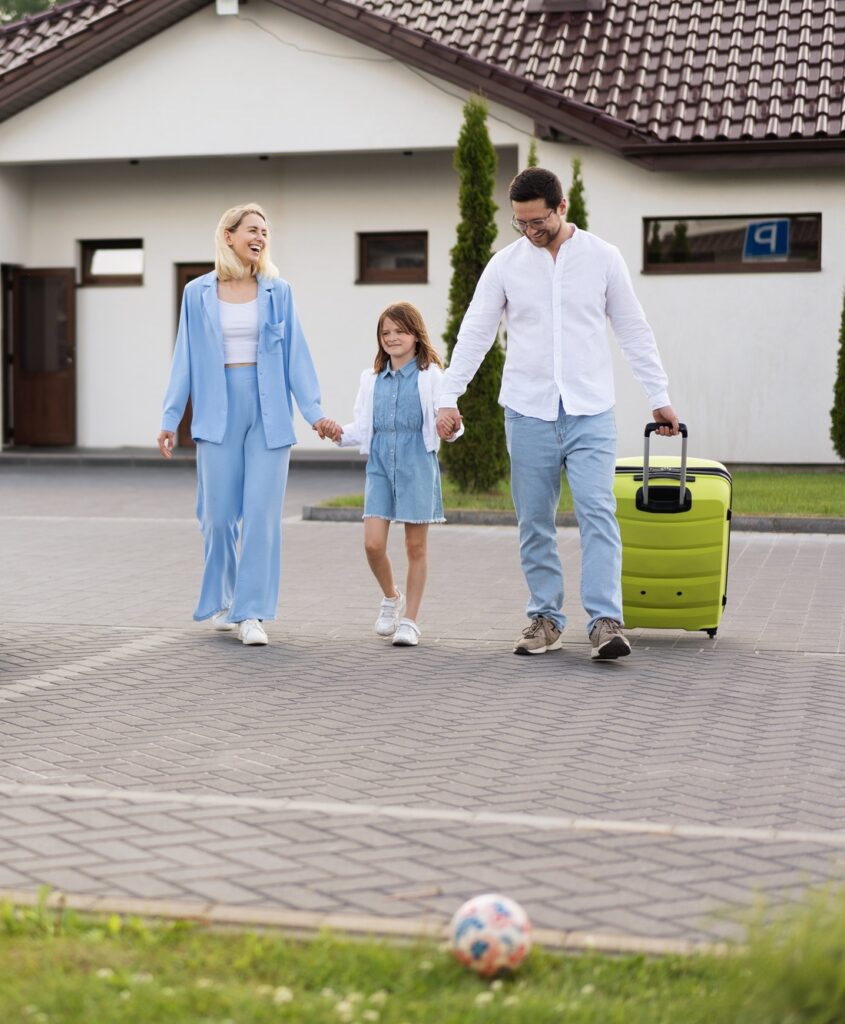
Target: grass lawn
(117,971)
(63,969)
(784,493)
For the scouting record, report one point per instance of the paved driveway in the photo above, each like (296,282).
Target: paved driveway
(143,756)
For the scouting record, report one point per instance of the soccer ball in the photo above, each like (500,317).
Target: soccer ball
(490,933)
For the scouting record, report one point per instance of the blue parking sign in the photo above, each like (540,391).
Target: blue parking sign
(767,240)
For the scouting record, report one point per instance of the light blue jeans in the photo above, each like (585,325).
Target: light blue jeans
(585,447)
(241,487)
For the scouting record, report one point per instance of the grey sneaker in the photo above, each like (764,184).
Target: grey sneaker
(390,612)
(541,636)
(608,640)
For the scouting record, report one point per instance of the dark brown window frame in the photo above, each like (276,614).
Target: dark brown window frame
(404,275)
(778,267)
(87,248)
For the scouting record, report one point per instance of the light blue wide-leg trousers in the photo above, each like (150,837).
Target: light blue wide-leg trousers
(585,447)
(241,487)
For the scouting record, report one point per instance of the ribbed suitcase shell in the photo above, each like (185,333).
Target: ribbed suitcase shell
(674,564)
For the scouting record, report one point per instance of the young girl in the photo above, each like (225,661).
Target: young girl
(394,425)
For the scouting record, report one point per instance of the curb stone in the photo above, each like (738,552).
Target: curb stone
(472,517)
(307,924)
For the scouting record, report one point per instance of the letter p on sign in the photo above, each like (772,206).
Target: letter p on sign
(767,240)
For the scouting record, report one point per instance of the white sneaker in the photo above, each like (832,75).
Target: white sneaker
(407,634)
(250,632)
(390,612)
(220,621)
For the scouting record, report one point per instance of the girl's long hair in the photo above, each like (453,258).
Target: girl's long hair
(227,264)
(410,319)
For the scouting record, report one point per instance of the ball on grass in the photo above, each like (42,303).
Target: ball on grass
(490,934)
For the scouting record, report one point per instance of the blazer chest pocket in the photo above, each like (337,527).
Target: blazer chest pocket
(275,334)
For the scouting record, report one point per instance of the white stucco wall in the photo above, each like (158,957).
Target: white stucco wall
(266,81)
(751,357)
(316,205)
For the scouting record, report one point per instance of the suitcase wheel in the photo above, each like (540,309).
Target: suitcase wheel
(710,632)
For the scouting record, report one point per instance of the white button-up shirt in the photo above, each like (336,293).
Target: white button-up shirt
(556,312)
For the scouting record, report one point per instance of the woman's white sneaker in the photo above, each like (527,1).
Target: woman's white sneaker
(407,634)
(220,621)
(251,632)
(390,612)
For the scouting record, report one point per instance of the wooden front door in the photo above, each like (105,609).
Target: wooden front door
(42,318)
(186,272)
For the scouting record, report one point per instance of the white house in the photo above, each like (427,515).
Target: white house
(710,134)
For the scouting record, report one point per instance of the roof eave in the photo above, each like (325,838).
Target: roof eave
(553,114)
(116,33)
(738,155)
(578,120)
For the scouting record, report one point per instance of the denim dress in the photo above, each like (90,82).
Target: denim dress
(403,479)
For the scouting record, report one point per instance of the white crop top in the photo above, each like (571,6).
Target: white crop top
(239,323)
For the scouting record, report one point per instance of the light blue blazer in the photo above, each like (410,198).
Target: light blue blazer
(284,364)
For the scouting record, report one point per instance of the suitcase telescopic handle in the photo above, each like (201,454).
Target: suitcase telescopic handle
(649,430)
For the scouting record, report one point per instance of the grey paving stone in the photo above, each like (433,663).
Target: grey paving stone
(744,731)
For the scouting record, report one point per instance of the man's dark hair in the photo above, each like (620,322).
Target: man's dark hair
(536,183)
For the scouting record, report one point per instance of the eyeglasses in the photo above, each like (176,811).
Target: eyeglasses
(535,225)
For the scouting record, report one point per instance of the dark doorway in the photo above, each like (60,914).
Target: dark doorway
(39,353)
(186,272)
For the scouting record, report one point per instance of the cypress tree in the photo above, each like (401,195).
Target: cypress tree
(479,460)
(837,413)
(532,153)
(576,205)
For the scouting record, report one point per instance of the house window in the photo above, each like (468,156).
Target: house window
(732,245)
(112,261)
(393,256)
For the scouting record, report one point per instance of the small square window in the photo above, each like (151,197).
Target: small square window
(393,256)
(114,261)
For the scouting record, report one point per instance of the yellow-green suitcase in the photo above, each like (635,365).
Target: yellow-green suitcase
(675,518)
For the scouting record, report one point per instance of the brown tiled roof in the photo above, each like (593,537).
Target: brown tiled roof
(653,80)
(678,69)
(38,34)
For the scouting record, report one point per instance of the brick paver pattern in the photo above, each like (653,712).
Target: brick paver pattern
(145,756)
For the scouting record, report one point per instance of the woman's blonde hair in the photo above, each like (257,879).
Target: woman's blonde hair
(228,265)
(410,319)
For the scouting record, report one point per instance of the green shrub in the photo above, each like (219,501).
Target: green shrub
(837,413)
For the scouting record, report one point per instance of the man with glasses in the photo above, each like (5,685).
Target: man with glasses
(557,286)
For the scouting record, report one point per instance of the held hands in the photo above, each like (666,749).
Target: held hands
(666,415)
(448,423)
(327,428)
(166,440)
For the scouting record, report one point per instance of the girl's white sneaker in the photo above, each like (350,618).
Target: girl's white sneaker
(220,621)
(389,614)
(251,632)
(407,634)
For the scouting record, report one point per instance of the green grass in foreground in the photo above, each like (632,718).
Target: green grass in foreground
(62,969)
(754,494)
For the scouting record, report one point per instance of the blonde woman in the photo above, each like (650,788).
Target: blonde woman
(240,355)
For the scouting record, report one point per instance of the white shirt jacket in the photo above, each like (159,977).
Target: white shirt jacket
(556,313)
(360,431)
